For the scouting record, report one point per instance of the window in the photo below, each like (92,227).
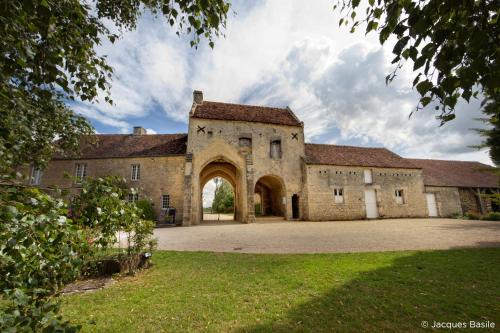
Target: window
(338,194)
(136,172)
(80,172)
(399,196)
(368,176)
(245,142)
(276,149)
(133,197)
(165,201)
(36,176)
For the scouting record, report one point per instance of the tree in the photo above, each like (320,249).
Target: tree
(47,57)
(453,45)
(223,198)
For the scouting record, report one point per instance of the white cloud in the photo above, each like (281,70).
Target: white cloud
(283,53)
(208,193)
(151,131)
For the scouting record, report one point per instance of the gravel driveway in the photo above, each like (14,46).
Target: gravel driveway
(348,236)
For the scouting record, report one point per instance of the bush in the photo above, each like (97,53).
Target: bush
(40,251)
(493,216)
(102,210)
(146,207)
(472,216)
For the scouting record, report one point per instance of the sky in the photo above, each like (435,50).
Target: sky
(280,53)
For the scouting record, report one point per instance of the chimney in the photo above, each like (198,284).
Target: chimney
(138,130)
(198,96)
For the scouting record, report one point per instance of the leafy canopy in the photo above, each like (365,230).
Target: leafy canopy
(47,57)
(453,45)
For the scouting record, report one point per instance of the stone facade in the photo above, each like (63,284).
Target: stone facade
(217,142)
(262,153)
(322,180)
(447,200)
(158,176)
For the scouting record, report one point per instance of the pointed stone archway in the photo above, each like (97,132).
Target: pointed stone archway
(272,194)
(221,167)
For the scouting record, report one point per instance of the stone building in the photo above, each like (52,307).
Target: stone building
(261,152)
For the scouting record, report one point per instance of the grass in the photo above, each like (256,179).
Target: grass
(363,292)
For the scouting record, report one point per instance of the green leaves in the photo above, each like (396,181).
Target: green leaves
(423,87)
(48,57)
(454,46)
(40,250)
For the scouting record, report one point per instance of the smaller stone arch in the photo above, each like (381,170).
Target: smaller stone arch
(272,193)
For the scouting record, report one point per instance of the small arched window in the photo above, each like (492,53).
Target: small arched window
(276,149)
(245,142)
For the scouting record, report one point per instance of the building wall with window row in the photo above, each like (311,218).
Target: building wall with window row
(158,176)
(261,152)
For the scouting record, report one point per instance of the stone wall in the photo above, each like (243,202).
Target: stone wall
(447,200)
(323,179)
(212,140)
(158,176)
(475,202)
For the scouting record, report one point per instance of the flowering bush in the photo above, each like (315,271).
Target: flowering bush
(40,251)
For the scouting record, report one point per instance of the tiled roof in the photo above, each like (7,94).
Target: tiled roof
(456,173)
(355,156)
(240,112)
(130,145)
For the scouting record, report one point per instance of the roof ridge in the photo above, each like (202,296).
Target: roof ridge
(124,134)
(248,105)
(440,160)
(347,146)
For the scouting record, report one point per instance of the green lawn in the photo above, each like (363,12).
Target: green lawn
(215,292)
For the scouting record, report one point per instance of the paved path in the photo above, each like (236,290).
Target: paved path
(348,236)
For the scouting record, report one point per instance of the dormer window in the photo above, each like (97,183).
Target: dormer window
(276,149)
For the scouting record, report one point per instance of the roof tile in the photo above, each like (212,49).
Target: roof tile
(130,145)
(355,156)
(240,112)
(457,173)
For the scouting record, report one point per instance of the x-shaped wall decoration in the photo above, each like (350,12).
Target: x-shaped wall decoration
(294,136)
(200,129)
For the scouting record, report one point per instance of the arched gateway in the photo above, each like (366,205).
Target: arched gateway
(221,167)
(256,149)
(271,196)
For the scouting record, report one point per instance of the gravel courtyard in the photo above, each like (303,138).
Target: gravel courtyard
(314,237)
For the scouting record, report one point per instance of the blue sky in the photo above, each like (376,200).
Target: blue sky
(279,53)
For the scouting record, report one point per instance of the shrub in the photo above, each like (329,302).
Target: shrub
(40,251)
(101,209)
(146,207)
(456,216)
(493,216)
(472,216)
